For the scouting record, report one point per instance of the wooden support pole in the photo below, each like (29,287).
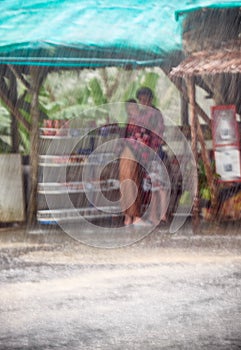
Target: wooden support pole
(34,144)
(184,111)
(209,174)
(14,122)
(193,125)
(19,76)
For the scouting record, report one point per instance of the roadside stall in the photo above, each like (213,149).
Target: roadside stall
(75,35)
(78,35)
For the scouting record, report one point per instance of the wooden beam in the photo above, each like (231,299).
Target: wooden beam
(14,122)
(19,76)
(193,123)
(184,111)
(34,144)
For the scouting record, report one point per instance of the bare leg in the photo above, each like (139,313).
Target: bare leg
(128,219)
(155,200)
(163,199)
(129,182)
(159,199)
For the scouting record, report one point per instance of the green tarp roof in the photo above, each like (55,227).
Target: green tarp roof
(87,33)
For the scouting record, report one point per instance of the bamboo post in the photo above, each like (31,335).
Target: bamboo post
(34,143)
(193,125)
(14,122)
(209,174)
(184,104)
(184,111)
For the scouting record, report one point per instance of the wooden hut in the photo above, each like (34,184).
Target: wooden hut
(212,48)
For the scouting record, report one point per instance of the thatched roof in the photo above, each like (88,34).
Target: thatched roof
(225,60)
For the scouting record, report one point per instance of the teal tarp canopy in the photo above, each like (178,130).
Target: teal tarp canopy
(196,5)
(91,33)
(87,33)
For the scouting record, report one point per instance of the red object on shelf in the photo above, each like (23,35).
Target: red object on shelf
(55,127)
(48,127)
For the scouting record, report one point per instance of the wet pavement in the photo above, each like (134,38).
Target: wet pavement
(180,291)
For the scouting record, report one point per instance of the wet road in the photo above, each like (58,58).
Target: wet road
(165,293)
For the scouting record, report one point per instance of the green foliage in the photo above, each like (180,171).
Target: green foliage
(5,125)
(82,94)
(4,147)
(4,121)
(97,92)
(150,80)
(185,199)
(130,91)
(204,190)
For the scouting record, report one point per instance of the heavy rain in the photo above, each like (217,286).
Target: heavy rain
(120,168)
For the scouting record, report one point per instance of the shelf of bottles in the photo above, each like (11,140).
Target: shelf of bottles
(65,152)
